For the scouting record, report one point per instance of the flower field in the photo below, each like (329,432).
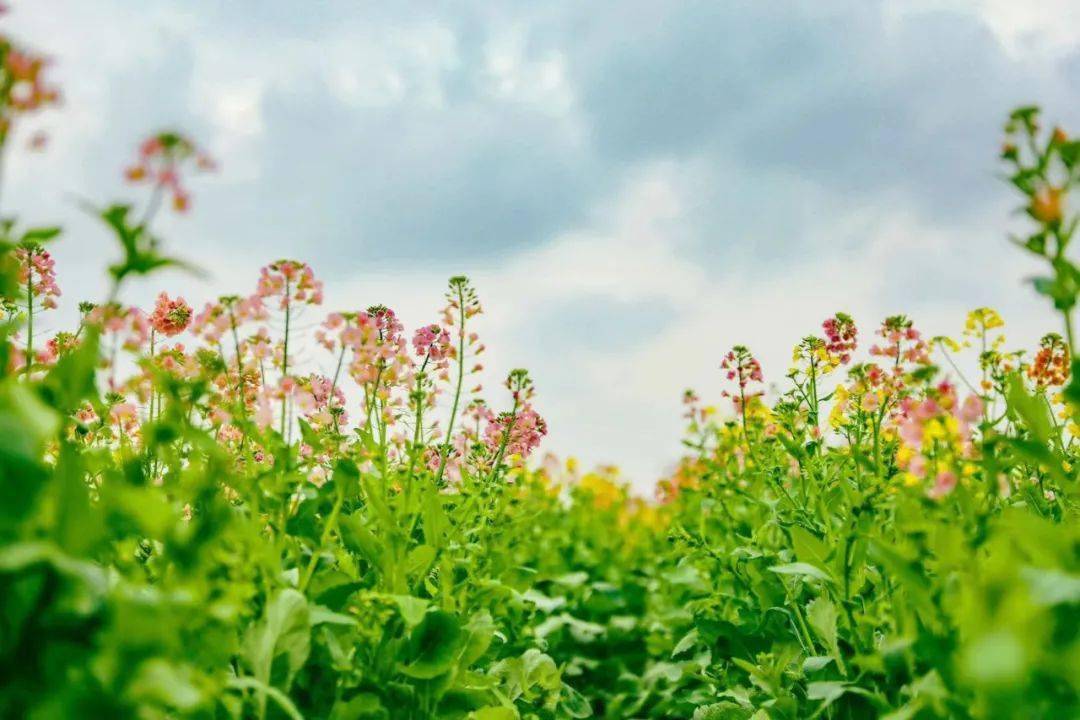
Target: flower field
(196,524)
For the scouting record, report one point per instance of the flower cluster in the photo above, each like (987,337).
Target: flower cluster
(744,369)
(161,160)
(841,337)
(432,342)
(517,434)
(1050,368)
(37,273)
(171,316)
(935,438)
(903,343)
(290,281)
(23,86)
(229,312)
(129,326)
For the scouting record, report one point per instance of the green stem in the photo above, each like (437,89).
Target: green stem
(333,388)
(285,361)
(457,390)
(328,529)
(29,312)
(504,442)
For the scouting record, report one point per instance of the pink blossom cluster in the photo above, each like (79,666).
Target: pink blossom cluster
(741,367)
(171,316)
(218,318)
(320,400)
(290,281)
(177,361)
(433,342)
(26,88)
(903,343)
(37,271)
(57,346)
(936,435)
(129,325)
(841,337)
(521,431)
(161,158)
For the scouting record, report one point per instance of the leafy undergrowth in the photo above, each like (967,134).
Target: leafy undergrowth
(194,524)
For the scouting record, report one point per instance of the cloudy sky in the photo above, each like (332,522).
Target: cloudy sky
(633,186)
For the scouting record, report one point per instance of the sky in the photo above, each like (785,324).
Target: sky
(633,187)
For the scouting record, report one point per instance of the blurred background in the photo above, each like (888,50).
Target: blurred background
(633,187)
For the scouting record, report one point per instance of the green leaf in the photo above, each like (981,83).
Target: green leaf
(574,703)
(808,547)
(822,615)
(1030,409)
(802,569)
(412,609)
(479,634)
(688,641)
(321,615)
(495,713)
(433,646)
(26,424)
(158,681)
(815,663)
(283,631)
(282,700)
(1052,587)
(40,234)
(435,522)
(364,706)
(419,561)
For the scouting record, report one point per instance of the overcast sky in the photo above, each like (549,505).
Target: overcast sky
(633,186)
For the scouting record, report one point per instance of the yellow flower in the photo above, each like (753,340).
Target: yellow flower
(904,454)
(951,344)
(836,415)
(982,319)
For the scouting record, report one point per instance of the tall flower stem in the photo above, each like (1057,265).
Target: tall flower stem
(495,466)
(457,389)
(333,387)
(29,313)
(285,362)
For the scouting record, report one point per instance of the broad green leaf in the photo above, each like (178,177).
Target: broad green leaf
(802,569)
(285,631)
(433,646)
(821,614)
(412,609)
(808,547)
(1030,409)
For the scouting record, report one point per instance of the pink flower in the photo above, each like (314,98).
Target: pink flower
(944,484)
(291,281)
(211,323)
(432,341)
(86,414)
(841,336)
(264,412)
(124,415)
(37,272)
(972,409)
(742,368)
(161,158)
(902,342)
(522,432)
(260,345)
(170,317)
